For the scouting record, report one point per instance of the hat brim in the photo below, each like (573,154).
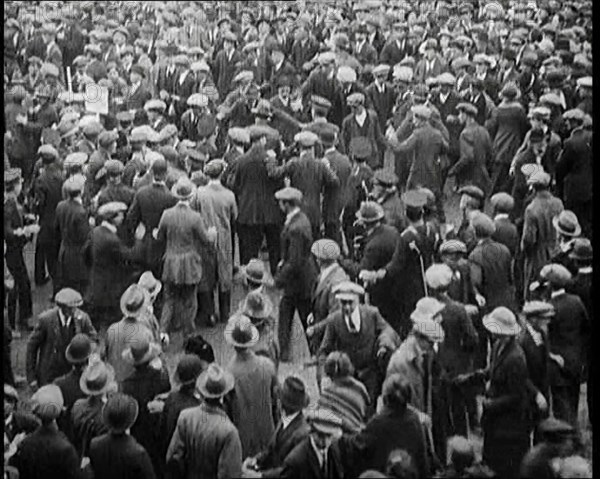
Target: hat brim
(347,296)
(251,342)
(563,232)
(252,280)
(495,327)
(152,353)
(294,403)
(201,385)
(73,360)
(369,220)
(263,313)
(109,381)
(326,429)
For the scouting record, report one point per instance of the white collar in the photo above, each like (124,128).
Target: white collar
(320,453)
(330,150)
(538,339)
(359,45)
(8,420)
(63,320)
(444,97)
(554,294)
(214,182)
(285,101)
(355,318)
(109,226)
(585,270)
(501,216)
(291,214)
(278,66)
(287,419)
(360,118)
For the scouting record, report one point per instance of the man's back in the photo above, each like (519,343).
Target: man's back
(119,456)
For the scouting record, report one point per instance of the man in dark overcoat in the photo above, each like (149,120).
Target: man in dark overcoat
(56,327)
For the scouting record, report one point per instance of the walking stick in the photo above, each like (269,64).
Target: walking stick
(412,245)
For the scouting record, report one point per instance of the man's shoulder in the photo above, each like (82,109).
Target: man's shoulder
(48,316)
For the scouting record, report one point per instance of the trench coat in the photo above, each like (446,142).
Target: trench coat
(72,227)
(255,403)
(217,206)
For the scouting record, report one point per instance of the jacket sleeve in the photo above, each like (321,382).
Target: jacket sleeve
(328,343)
(386,336)
(37,338)
(295,261)
(176,451)
(88,328)
(466,154)
(230,459)
(396,264)
(516,380)
(530,232)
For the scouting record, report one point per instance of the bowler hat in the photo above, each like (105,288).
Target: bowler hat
(120,412)
(79,349)
(240,332)
(293,394)
(567,224)
(369,212)
(141,351)
(215,382)
(502,321)
(582,250)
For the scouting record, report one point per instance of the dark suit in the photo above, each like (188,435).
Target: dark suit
(334,197)
(148,205)
(21,422)
(383,101)
(46,453)
(224,70)
(392,53)
(303,51)
(69,386)
(176,402)
(119,456)
(183,90)
(281,444)
(47,345)
(366,53)
(302,462)
(136,99)
(507,234)
(568,334)
(296,276)
(258,211)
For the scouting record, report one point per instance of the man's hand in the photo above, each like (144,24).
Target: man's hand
(310,331)
(541,402)
(156,407)
(381,352)
(140,232)
(558,359)
(155,233)
(310,319)
(33,385)
(480,300)
(212,234)
(367,276)
(164,339)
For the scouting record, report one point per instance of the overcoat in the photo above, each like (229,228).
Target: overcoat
(119,456)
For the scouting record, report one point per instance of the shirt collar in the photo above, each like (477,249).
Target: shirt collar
(291,214)
(355,318)
(360,119)
(556,293)
(63,320)
(327,270)
(109,226)
(585,270)
(320,453)
(501,216)
(537,337)
(330,150)
(286,419)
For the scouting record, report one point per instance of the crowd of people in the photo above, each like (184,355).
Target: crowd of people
(158,153)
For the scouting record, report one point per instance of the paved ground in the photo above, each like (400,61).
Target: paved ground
(223,351)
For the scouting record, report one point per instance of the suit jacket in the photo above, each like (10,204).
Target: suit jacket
(423,71)
(302,462)
(205,444)
(254,189)
(119,456)
(335,197)
(303,51)
(574,169)
(176,402)
(72,227)
(148,205)
(21,422)
(507,234)
(110,273)
(282,443)
(323,300)
(46,346)
(392,53)
(183,232)
(48,193)
(224,70)
(538,362)
(69,386)
(366,54)
(46,453)
(383,102)
(507,127)
(136,99)
(298,273)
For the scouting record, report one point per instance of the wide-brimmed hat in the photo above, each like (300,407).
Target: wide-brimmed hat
(97,378)
(254,272)
(567,224)
(120,412)
(133,301)
(141,351)
(79,349)
(150,284)
(582,250)
(502,321)
(240,332)
(215,382)
(257,306)
(188,369)
(370,211)
(184,189)
(293,394)
(48,402)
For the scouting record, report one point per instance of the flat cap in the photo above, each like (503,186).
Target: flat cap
(182,60)
(556,274)
(243,76)
(403,73)
(421,111)
(198,100)
(259,131)
(346,74)
(306,138)
(138,69)
(540,112)
(326,249)
(585,82)
(438,276)
(467,108)
(574,114)
(121,30)
(239,135)
(472,191)
(415,199)
(168,131)
(114,167)
(360,147)
(385,177)
(251,46)
(482,59)
(461,62)
(107,137)
(49,69)
(347,290)
(75,182)
(230,37)
(75,159)
(510,91)
(538,308)
(453,247)
(582,250)
(355,99)
(482,224)
(48,151)
(556,427)
(289,194)
(326,58)
(551,99)
(320,101)
(446,79)
(111,208)
(539,177)
(502,202)
(214,168)
(155,104)
(381,69)
(529,58)
(138,134)
(200,66)
(68,297)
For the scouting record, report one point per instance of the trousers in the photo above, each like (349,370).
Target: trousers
(21,293)
(250,239)
(179,308)
(287,307)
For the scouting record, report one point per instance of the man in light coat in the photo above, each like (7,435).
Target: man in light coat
(217,205)
(255,403)
(205,442)
(182,231)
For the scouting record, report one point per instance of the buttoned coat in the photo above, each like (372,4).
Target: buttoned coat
(136,99)
(182,398)
(302,462)
(324,301)
(147,208)
(254,189)
(298,271)
(119,456)
(217,205)
(183,232)
(281,444)
(72,229)
(224,70)
(46,349)
(110,273)
(205,443)
(254,401)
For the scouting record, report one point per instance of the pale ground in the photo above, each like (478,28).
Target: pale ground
(223,352)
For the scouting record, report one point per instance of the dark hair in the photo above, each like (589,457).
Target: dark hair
(198,346)
(396,393)
(338,365)
(414,214)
